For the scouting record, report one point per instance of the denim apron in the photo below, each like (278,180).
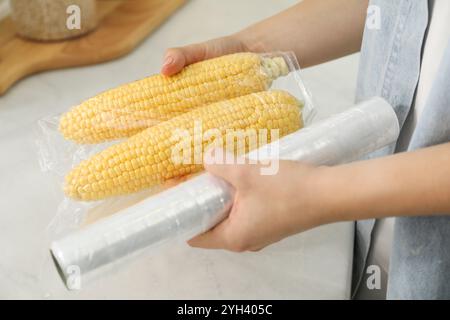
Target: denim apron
(389,67)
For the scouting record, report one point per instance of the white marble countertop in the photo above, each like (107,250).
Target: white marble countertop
(315,264)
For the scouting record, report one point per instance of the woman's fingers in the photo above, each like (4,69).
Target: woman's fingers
(229,167)
(176,58)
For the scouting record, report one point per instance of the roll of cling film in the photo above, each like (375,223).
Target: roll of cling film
(199,203)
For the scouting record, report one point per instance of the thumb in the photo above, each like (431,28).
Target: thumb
(176,59)
(228,167)
(212,239)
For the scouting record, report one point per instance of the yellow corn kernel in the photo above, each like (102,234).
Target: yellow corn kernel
(147,159)
(130,108)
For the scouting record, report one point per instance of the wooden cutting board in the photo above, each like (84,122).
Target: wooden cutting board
(123,25)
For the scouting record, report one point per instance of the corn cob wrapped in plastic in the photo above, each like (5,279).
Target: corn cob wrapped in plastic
(146,159)
(128,109)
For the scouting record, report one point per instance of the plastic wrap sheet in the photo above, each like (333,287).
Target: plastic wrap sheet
(196,205)
(110,118)
(113,117)
(130,108)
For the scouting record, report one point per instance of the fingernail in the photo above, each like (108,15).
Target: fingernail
(168,61)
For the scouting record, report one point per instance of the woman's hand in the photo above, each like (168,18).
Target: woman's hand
(299,197)
(267,208)
(315,30)
(177,58)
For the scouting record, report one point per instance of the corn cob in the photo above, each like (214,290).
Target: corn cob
(130,108)
(146,159)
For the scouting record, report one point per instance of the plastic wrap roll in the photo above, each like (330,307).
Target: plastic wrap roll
(342,138)
(198,204)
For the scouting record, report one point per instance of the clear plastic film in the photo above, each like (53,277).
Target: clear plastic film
(253,88)
(196,205)
(91,235)
(120,114)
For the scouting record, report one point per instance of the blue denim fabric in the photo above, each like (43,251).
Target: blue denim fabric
(390,67)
